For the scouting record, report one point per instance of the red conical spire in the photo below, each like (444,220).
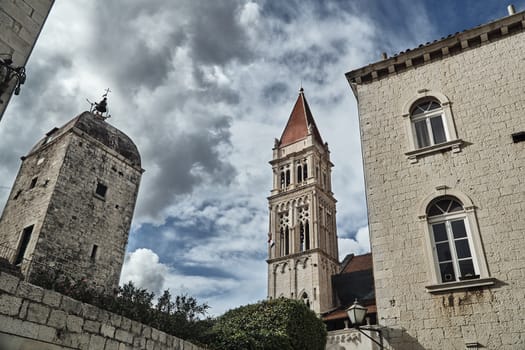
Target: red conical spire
(300,120)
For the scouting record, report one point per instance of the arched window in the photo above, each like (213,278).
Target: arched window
(301,236)
(303,215)
(452,240)
(281,241)
(287,178)
(428,124)
(282,180)
(284,233)
(286,241)
(306,235)
(305,299)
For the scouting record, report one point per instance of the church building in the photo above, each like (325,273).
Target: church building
(442,132)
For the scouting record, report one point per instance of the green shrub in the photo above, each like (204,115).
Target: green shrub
(280,324)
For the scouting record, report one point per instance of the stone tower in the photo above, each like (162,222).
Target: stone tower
(72,202)
(303,252)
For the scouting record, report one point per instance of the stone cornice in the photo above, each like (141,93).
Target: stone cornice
(437,50)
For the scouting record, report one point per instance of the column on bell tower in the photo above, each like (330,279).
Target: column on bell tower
(304,254)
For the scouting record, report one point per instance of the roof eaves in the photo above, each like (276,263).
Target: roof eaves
(438,49)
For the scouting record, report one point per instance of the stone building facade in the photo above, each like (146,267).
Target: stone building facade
(71,206)
(442,127)
(20,24)
(303,253)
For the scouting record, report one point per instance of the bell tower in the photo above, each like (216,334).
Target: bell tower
(303,254)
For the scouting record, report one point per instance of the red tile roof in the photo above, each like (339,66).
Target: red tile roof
(358,263)
(297,127)
(341,314)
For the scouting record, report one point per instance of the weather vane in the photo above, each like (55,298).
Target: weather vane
(101,109)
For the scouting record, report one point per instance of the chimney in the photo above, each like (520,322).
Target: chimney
(384,56)
(511,10)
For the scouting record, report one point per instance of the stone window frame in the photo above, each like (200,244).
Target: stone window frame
(453,143)
(475,241)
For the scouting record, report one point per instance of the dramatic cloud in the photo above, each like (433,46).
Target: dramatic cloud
(360,244)
(203,88)
(143,268)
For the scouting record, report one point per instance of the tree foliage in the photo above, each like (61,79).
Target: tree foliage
(279,324)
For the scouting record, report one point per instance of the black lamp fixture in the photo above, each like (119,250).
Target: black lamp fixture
(8,73)
(356,313)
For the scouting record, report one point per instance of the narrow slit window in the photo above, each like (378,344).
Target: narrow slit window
(94,251)
(305,172)
(33,182)
(286,241)
(24,242)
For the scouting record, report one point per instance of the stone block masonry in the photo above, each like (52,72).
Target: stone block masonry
(20,24)
(46,319)
(484,84)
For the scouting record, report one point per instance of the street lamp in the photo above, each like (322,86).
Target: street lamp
(356,313)
(9,73)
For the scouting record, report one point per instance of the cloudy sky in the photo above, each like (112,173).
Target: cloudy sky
(203,88)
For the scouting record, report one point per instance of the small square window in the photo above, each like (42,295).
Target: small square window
(101,190)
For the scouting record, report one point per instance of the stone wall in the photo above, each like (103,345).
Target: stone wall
(20,25)
(38,317)
(485,87)
(351,339)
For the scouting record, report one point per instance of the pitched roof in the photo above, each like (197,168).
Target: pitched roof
(297,127)
(353,263)
(340,313)
(355,281)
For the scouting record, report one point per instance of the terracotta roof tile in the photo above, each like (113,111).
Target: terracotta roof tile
(358,263)
(297,127)
(341,313)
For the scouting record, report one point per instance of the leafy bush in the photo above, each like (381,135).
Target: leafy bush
(280,324)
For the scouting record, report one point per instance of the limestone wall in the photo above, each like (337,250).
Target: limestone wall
(485,86)
(20,25)
(351,339)
(32,316)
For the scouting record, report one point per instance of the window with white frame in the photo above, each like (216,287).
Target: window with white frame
(428,123)
(451,237)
